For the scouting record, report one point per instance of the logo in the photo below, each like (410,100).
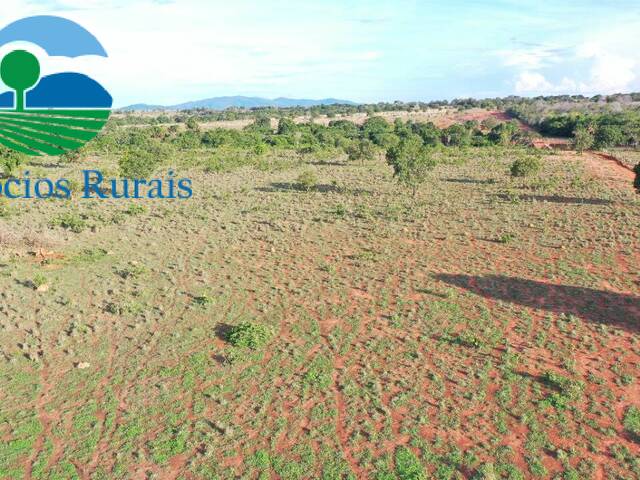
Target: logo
(54,113)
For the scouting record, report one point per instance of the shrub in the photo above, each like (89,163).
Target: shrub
(486,472)
(456,135)
(72,156)
(250,335)
(11,161)
(319,374)
(583,139)
(503,133)
(608,136)
(261,124)
(38,280)
(286,126)
(192,124)
(138,163)
(411,162)
(70,221)
(307,180)
(375,127)
(566,390)
(631,421)
(361,150)
(489,123)
(526,166)
(408,466)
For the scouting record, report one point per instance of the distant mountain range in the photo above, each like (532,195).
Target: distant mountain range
(221,103)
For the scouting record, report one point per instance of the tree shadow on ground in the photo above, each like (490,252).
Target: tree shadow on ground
(472,181)
(597,306)
(321,188)
(557,199)
(222,331)
(321,163)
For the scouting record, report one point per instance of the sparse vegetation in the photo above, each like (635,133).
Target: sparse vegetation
(249,335)
(255,331)
(526,166)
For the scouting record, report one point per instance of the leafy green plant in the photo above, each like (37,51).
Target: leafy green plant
(631,421)
(11,161)
(361,150)
(70,221)
(526,166)
(408,466)
(319,373)
(203,300)
(249,335)
(411,162)
(583,139)
(307,180)
(506,238)
(135,209)
(566,390)
(39,280)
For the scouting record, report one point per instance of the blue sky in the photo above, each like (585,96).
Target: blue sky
(164,51)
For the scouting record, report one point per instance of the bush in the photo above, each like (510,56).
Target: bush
(411,162)
(408,466)
(504,133)
(456,135)
(72,156)
(11,161)
(583,139)
(307,180)
(608,136)
(286,126)
(631,421)
(70,221)
(250,335)
(138,163)
(361,150)
(192,124)
(376,127)
(526,166)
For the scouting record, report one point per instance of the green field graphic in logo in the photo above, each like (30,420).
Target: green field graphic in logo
(57,113)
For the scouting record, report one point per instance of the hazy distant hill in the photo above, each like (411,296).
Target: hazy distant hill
(220,103)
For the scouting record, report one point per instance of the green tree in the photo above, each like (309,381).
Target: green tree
(456,135)
(20,70)
(261,124)
(361,150)
(286,126)
(192,125)
(503,133)
(375,128)
(608,136)
(583,139)
(10,160)
(411,162)
(526,166)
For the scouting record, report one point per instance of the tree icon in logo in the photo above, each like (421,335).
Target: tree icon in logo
(20,70)
(56,113)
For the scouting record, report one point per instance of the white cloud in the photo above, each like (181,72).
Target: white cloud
(529,58)
(529,82)
(169,52)
(602,62)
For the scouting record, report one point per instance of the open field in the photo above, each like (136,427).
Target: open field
(442,118)
(488,328)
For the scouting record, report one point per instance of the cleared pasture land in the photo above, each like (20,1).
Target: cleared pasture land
(490,328)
